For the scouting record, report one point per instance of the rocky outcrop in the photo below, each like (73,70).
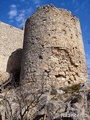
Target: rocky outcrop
(56,103)
(65,103)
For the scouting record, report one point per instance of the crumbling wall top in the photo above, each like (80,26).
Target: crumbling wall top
(60,11)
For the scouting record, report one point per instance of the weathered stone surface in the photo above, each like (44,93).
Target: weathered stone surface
(53,38)
(11,39)
(53,60)
(57,103)
(72,104)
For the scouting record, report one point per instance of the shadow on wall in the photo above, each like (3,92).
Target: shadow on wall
(14,65)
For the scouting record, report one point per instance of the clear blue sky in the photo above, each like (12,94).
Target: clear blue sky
(15,12)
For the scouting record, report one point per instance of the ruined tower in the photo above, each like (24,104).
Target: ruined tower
(53,48)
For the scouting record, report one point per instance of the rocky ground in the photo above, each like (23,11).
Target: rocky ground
(55,103)
(65,103)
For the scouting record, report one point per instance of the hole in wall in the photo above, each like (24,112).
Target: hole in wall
(37,38)
(57,76)
(44,19)
(40,57)
(80,62)
(53,30)
(49,34)
(69,82)
(42,46)
(46,71)
(71,37)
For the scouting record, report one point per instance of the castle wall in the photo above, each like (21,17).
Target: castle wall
(11,40)
(53,48)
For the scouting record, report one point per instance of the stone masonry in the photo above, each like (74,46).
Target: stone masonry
(52,58)
(53,48)
(11,41)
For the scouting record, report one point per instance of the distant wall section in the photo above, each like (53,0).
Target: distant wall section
(11,42)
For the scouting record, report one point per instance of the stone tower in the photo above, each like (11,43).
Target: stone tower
(53,48)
